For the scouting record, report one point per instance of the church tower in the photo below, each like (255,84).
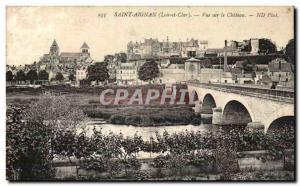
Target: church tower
(84,51)
(54,52)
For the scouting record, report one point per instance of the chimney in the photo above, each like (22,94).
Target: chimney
(279,66)
(225,56)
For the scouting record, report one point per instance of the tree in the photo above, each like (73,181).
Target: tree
(43,75)
(206,63)
(290,51)
(21,76)
(122,57)
(131,146)
(108,150)
(246,48)
(69,144)
(98,72)
(9,76)
(32,76)
(248,66)
(71,77)
(27,148)
(267,46)
(148,71)
(59,77)
(108,58)
(56,112)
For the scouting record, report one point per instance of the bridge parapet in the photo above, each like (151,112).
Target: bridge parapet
(253,91)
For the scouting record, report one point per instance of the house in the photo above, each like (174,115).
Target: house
(227,78)
(245,78)
(173,73)
(127,73)
(259,76)
(234,73)
(280,71)
(266,80)
(81,73)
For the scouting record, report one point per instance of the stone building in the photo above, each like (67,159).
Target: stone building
(127,73)
(65,62)
(81,73)
(153,48)
(192,69)
(171,74)
(55,56)
(281,72)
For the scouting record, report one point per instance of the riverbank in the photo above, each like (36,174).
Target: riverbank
(153,114)
(143,116)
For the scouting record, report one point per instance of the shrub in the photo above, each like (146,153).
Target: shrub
(196,121)
(96,164)
(97,114)
(117,119)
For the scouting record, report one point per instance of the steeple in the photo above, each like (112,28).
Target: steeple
(54,49)
(54,52)
(54,43)
(84,51)
(84,46)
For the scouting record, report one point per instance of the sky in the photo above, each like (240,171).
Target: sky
(30,31)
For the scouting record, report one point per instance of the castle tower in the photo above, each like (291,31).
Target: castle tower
(84,51)
(54,52)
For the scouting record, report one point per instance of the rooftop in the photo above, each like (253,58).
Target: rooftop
(280,65)
(84,46)
(70,55)
(193,60)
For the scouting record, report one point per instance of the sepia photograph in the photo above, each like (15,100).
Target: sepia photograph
(150,93)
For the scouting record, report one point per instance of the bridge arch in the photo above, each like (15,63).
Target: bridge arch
(284,122)
(236,112)
(193,96)
(208,104)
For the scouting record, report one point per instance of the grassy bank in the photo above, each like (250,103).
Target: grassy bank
(87,99)
(141,116)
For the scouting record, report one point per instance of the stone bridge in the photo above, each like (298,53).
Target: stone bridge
(244,104)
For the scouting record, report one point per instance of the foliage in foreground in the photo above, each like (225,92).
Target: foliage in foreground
(32,143)
(30,135)
(213,151)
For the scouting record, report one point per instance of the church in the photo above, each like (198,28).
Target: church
(55,57)
(64,62)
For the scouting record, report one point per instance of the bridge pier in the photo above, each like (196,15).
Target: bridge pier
(252,126)
(197,107)
(217,116)
(206,118)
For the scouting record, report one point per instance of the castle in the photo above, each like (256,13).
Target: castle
(153,48)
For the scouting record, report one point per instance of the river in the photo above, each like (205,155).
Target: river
(144,132)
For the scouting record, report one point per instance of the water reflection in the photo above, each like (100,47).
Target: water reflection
(145,132)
